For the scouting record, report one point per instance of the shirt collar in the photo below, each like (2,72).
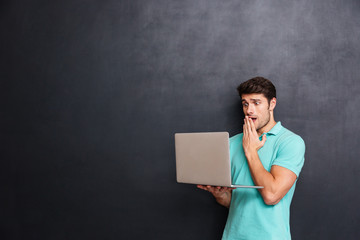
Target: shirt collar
(275,129)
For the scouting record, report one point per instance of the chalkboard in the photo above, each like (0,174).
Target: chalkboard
(93,91)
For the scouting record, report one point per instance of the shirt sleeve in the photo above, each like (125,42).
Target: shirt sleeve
(291,153)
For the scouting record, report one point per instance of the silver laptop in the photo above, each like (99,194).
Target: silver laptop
(203,158)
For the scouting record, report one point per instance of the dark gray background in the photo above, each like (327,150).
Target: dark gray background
(93,91)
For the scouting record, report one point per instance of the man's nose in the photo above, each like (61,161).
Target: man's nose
(250,110)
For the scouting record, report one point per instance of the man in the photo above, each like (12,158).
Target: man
(265,154)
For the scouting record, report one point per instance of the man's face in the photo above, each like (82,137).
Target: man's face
(257,107)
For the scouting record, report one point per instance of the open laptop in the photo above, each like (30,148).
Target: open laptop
(204,158)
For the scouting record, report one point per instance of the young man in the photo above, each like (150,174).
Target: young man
(265,154)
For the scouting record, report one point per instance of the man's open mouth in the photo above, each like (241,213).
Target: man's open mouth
(253,119)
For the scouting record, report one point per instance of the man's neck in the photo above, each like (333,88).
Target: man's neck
(266,128)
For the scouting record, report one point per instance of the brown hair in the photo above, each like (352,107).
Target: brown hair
(258,85)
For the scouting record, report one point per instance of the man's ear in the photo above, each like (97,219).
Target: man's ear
(272,104)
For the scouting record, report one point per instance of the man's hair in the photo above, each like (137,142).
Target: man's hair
(258,85)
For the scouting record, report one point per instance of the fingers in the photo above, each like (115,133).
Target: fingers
(205,187)
(252,125)
(247,125)
(214,189)
(224,189)
(220,189)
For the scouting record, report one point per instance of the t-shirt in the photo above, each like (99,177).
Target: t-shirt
(249,217)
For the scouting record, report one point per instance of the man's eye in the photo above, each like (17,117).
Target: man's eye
(257,103)
(245,104)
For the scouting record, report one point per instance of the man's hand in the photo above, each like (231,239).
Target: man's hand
(215,191)
(251,142)
(221,194)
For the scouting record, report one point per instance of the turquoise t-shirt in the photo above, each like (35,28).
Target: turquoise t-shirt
(249,217)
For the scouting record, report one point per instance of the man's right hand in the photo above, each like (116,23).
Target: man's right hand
(215,190)
(221,194)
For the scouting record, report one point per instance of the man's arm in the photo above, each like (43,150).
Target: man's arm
(222,194)
(278,181)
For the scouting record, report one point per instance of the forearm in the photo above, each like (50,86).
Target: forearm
(262,177)
(224,199)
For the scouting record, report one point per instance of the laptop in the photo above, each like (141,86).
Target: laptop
(204,158)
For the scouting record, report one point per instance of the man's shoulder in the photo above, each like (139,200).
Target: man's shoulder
(288,136)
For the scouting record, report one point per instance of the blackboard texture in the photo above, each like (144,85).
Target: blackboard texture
(93,91)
